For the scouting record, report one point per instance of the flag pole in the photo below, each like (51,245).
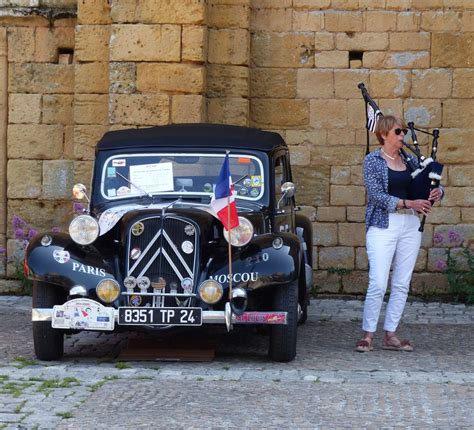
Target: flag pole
(229,247)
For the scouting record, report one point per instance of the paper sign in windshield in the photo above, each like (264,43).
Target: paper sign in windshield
(152,178)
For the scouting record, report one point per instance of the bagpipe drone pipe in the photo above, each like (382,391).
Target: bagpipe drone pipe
(425,172)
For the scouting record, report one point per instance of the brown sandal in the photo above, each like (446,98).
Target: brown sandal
(365,344)
(393,343)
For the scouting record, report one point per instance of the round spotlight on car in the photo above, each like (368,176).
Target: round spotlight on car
(210,291)
(84,229)
(107,290)
(242,234)
(277,242)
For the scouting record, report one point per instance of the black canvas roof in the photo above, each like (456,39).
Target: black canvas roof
(191,135)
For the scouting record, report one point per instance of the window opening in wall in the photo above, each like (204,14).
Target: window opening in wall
(355,59)
(65,55)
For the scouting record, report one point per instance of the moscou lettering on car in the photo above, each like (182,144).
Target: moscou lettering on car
(236,277)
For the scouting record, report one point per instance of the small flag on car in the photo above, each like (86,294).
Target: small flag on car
(223,200)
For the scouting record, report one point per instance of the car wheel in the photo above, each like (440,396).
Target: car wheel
(283,337)
(49,342)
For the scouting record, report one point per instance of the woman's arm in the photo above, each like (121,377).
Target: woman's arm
(375,190)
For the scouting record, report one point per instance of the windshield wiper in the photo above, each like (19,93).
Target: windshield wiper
(144,193)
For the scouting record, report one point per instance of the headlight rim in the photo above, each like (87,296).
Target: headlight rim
(74,236)
(242,220)
(116,284)
(220,288)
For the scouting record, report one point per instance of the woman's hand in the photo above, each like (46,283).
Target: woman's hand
(435,195)
(420,205)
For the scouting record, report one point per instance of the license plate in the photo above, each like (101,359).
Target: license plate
(83,314)
(160,316)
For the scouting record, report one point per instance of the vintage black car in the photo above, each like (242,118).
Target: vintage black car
(149,253)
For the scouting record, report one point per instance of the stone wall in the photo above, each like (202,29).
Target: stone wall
(286,65)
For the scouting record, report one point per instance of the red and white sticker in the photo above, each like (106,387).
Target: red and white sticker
(119,162)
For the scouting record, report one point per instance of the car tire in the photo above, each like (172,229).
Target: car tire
(304,311)
(283,337)
(303,301)
(48,342)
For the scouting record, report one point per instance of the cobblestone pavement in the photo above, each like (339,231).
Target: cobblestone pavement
(327,385)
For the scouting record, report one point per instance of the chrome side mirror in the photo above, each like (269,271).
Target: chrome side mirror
(288,190)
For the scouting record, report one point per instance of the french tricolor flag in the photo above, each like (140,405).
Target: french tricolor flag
(223,200)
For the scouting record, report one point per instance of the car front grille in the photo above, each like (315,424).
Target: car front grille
(167,250)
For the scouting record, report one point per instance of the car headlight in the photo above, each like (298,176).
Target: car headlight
(84,229)
(210,291)
(242,234)
(107,290)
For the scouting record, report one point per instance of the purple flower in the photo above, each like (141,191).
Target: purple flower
(78,208)
(56,229)
(441,265)
(2,250)
(32,233)
(19,234)
(455,237)
(18,222)
(438,238)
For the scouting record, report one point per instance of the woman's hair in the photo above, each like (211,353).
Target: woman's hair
(385,124)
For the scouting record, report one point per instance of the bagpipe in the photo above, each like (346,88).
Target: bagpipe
(425,172)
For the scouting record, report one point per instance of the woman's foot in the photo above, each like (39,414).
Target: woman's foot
(365,344)
(393,343)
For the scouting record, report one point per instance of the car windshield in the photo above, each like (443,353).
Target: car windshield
(126,175)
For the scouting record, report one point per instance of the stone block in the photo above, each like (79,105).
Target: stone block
(389,83)
(407,60)
(68,142)
(423,112)
(432,83)
(374,59)
(452,49)
(227,81)
(229,46)
(123,11)
(16,254)
(24,108)
(58,109)
(122,77)
(268,113)
(57,179)
(85,140)
(91,109)
(352,195)
(138,109)
(426,4)
(332,214)
(92,42)
(171,11)
(170,78)
(355,283)
(194,43)
(429,283)
(357,175)
(467,215)
(456,147)
(24,179)
(408,21)
(351,234)
(463,83)
(307,20)
(229,110)
(338,155)
(336,257)
(410,41)
(271,49)
(362,261)
(9,287)
(461,176)
(48,40)
(355,118)
(21,44)
(188,109)
(343,21)
(459,196)
(332,59)
(142,42)
(93,12)
(345,82)
(380,21)
(313,185)
(371,4)
(35,141)
(340,175)
(308,137)
(324,41)
(392,107)
(341,136)
(362,41)
(325,282)
(441,21)
(83,173)
(328,113)
(458,113)
(315,83)
(345,4)
(273,82)
(324,234)
(356,213)
(300,155)
(92,78)
(228,15)
(313,4)
(467,21)
(41,78)
(445,215)
(421,259)
(265,4)
(275,19)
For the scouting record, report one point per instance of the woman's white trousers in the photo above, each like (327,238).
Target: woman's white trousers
(396,246)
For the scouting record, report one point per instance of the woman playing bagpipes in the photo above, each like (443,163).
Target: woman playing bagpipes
(393,238)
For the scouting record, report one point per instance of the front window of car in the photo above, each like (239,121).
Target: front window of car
(133,175)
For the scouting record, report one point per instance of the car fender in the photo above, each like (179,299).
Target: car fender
(304,230)
(258,264)
(64,263)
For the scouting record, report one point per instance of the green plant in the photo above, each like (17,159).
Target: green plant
(65,415)
(121,365)
(458,266)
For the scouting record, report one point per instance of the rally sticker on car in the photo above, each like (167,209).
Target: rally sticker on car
(119,162)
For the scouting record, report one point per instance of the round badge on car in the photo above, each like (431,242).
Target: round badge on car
(138,228)
(187,285)
(187,247)
(135,253)
(189,230)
